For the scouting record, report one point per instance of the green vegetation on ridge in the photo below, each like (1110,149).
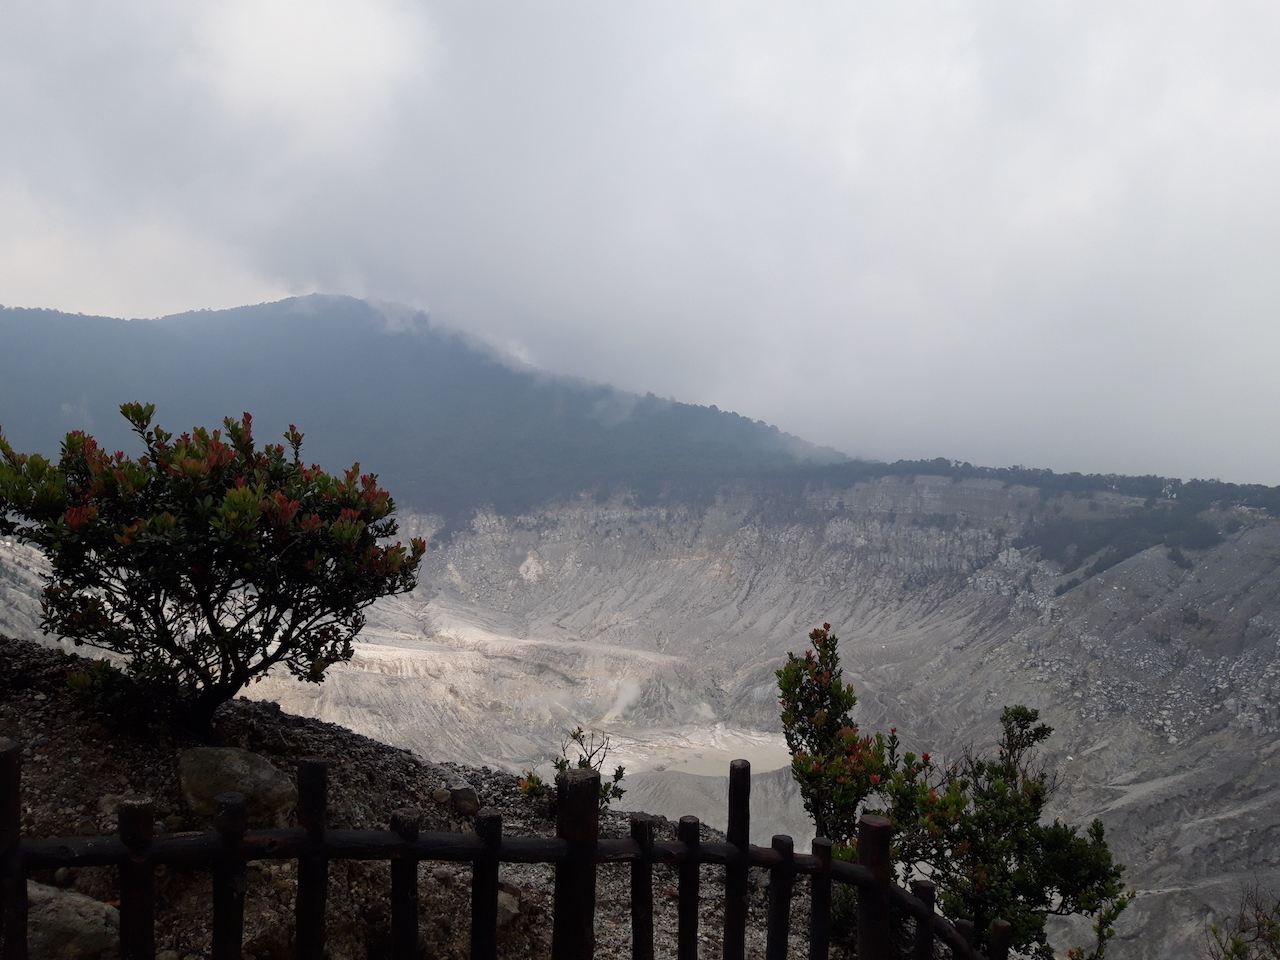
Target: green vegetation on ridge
(453,429)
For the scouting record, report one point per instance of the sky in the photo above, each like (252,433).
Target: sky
(1006,231)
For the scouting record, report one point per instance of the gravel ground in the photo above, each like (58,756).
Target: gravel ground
(79,763)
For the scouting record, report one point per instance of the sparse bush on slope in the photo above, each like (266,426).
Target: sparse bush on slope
(206,561)
(973,827)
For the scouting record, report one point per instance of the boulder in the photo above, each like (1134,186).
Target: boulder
(508,908)
(205,772)
(465,801)
(64,925)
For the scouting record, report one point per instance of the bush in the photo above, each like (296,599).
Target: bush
(1252,933)
(973,827)
(206,561)
(591,754)
(830,761)
(532,785)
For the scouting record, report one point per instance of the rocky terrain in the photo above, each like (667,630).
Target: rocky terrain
(663,625)
(78,763)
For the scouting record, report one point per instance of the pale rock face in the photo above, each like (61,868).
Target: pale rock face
(663,627)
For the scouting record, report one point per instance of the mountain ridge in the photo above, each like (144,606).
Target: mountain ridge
(444,423)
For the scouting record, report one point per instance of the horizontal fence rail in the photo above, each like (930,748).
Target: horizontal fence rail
(575,851)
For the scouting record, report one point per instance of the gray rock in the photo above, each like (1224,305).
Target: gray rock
(465,801)
(64,925)
(508,908)
(206,772)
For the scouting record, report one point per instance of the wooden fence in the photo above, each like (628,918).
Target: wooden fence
(575,850)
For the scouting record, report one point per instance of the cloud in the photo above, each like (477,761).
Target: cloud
(139,265)
(1009,232)
(320,76)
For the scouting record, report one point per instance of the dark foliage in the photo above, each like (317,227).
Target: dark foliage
(452,427)
(207,561)
(1069,542)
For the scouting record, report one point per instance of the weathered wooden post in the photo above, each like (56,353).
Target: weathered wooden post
(484,887)
(13,878)
(735,871)
(781,881)
(927,893)
(875,939)
(999,939)
(968,931)
(313,866)
(688,833)
(642,888)
(404,888)
(820,901)
(230,881)
(136,820)
(573,931)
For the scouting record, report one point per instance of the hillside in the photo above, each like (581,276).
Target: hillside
(448,425)
(452,428)
(79,762)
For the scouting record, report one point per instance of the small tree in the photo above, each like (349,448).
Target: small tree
(591,755)
(832,764)
(974,828)
(207,561)
(1252,933)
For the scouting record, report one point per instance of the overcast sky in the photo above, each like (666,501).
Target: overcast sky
(1003,232)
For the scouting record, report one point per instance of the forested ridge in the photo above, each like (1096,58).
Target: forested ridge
(451,427)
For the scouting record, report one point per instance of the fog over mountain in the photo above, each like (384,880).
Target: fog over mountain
(998,232)
(448,424)
(641,566)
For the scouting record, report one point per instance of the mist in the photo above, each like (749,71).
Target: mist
(1002,233)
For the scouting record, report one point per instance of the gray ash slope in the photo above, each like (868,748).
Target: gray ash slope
(1161,681)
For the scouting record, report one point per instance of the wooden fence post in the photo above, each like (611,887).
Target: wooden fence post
(484,887)
(575,853)
(573,931)
(820,901)
(313,867)
(689,834)
(999,940)
(875,938)
(926,891)
(136,819)
(13,878)
(735,871)
(404,889)
(229,878)
(781,880)
(642,888)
